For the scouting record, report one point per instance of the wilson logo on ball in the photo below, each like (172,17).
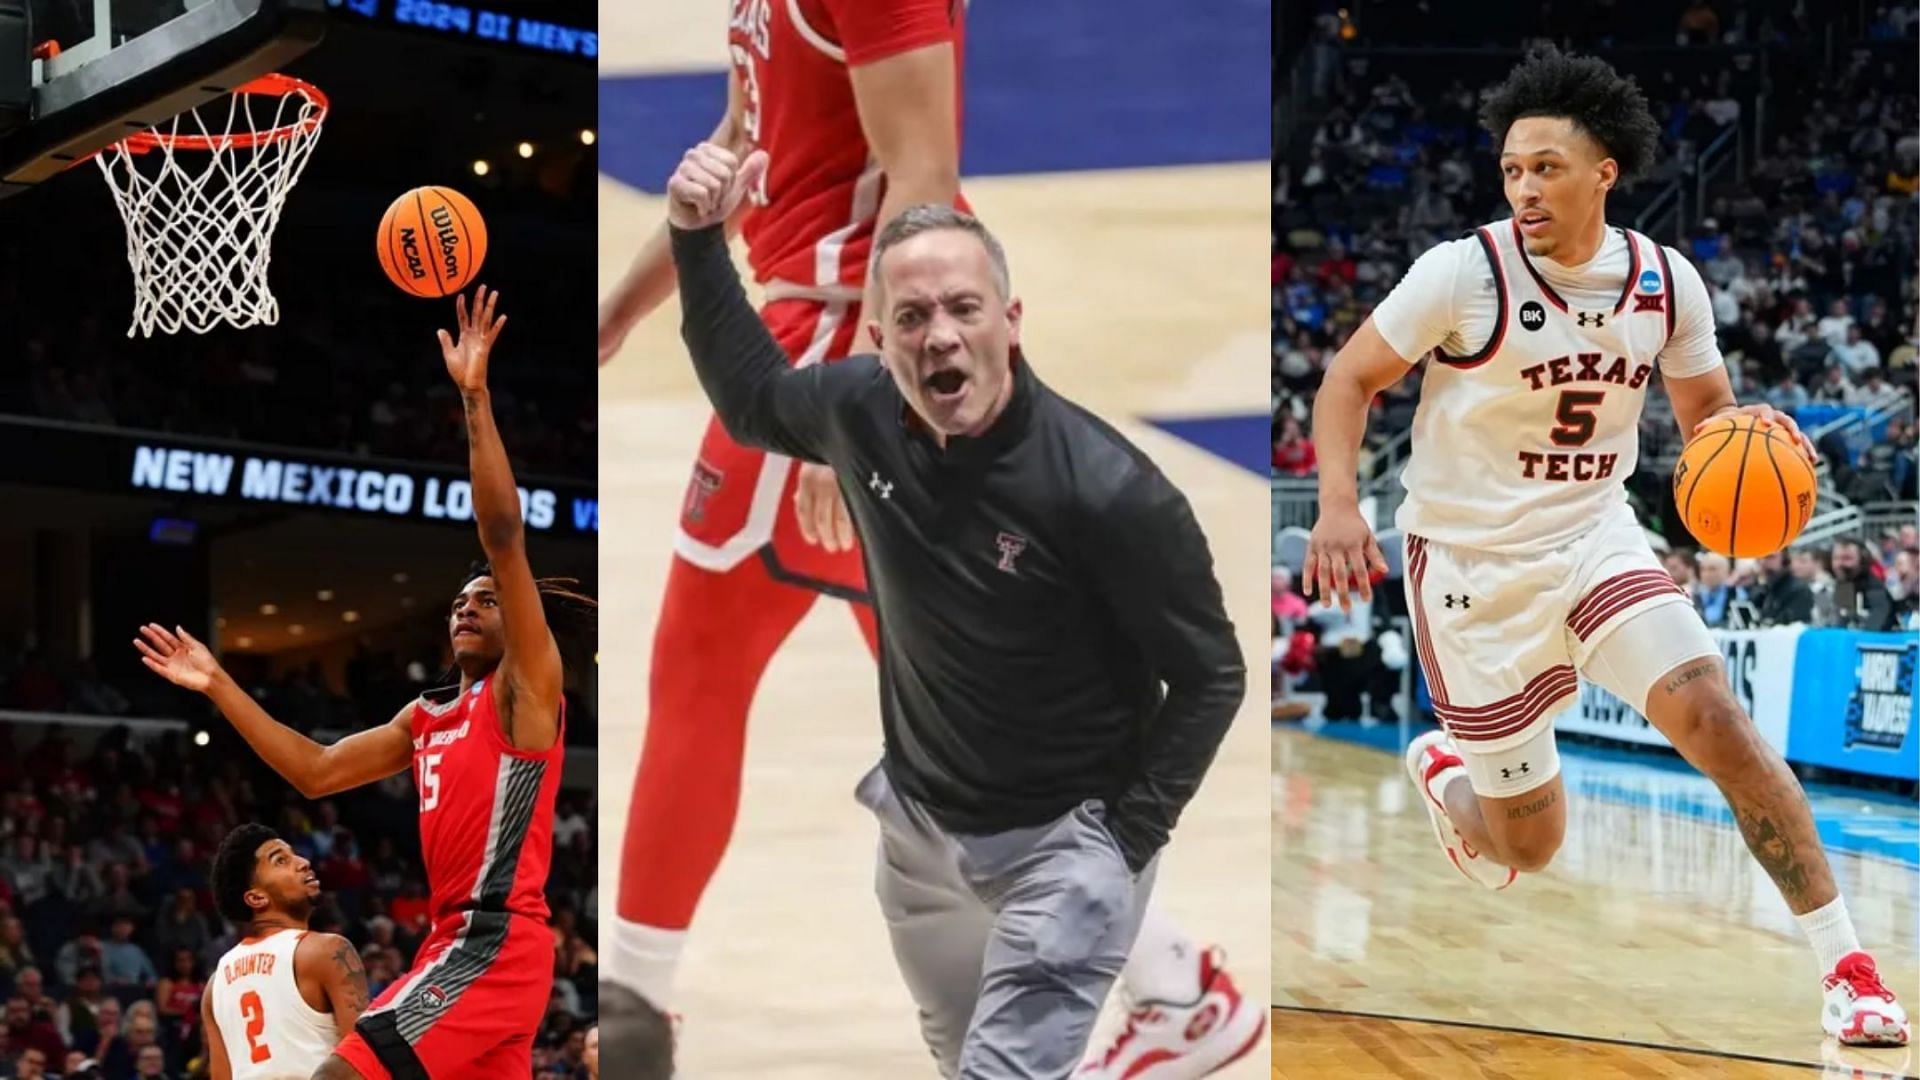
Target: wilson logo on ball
(432,241)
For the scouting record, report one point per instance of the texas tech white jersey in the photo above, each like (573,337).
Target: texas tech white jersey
(270,1031)
(1526,442)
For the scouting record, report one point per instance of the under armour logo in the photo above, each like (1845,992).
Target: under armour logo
(1599,317)
(1507,774)
(1462,601)
(1010,548)
(884,487)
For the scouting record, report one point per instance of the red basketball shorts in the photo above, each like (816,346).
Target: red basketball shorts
(469,1009)
(739,502)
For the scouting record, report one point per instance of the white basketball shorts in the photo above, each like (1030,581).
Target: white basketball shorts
(1502,639)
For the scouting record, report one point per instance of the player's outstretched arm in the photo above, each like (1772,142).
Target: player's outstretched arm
(331,963)
(218,1067)
(759,399)
(313,770)
(1342,549)
(650,280)
(528,691)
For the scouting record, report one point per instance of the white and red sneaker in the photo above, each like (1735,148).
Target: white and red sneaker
(1172,1041)
(1860,1010)
(1429,758)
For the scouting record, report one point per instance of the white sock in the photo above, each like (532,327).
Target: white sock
(1830,930)
(644,959)
(1165,963)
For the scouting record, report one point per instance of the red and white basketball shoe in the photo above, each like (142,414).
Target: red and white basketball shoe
(1429,758)
(1860,1010)
(1172,1041)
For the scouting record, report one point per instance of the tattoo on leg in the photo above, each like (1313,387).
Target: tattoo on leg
(1537,806)
(1774,851)
(1696,671)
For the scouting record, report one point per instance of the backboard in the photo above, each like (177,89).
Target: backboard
(79,75)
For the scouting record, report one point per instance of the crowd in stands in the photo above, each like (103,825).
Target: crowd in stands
(1808,250)
(107,930)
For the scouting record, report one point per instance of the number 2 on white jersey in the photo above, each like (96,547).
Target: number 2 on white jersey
(429,782)
(256,1017)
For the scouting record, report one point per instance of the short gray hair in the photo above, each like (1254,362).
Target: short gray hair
(933,217)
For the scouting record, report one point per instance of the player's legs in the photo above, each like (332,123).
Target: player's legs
(1504,808)
(479,990)
(720,624)
(1664,661)
(716,635)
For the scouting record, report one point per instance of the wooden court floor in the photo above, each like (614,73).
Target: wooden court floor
(1311,1044)
(1653,930)
(1144,296)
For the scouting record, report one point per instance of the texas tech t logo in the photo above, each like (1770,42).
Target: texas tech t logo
(1010,548)
(705,482)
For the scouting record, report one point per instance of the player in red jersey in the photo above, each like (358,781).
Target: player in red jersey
(857,104)
(486,760)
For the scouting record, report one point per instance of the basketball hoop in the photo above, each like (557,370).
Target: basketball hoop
(201,205)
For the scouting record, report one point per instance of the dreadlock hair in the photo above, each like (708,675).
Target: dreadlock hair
(573,615)
(233,870)
(1605,105)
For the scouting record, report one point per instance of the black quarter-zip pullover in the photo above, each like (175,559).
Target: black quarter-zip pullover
(1051,629)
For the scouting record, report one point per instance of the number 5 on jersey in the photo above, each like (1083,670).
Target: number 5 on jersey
(429,782)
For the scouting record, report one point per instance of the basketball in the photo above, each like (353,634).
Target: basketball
(432,241)
(1742,491)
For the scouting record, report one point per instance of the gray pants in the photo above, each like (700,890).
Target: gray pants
(1008,942)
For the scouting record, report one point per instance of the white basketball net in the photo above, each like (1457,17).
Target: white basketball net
(201,197)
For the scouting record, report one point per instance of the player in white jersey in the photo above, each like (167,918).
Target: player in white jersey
(281,999)
(1524,564)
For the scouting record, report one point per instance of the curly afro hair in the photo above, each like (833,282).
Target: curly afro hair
(1604,104)
(233,870)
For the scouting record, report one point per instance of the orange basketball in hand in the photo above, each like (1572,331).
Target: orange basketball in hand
(432,241)
(1742,491)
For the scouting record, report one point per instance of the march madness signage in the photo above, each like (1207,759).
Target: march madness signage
(1880,712)
(105,460)
(1853,703)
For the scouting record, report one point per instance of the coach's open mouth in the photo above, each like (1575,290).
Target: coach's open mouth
(946,385)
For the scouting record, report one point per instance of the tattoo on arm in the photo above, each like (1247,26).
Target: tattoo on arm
(472,404)
(1773,850)
(1537,806)
(1699,670)
(353,975)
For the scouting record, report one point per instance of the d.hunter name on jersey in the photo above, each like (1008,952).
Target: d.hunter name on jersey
(257,963)
(1575,413)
